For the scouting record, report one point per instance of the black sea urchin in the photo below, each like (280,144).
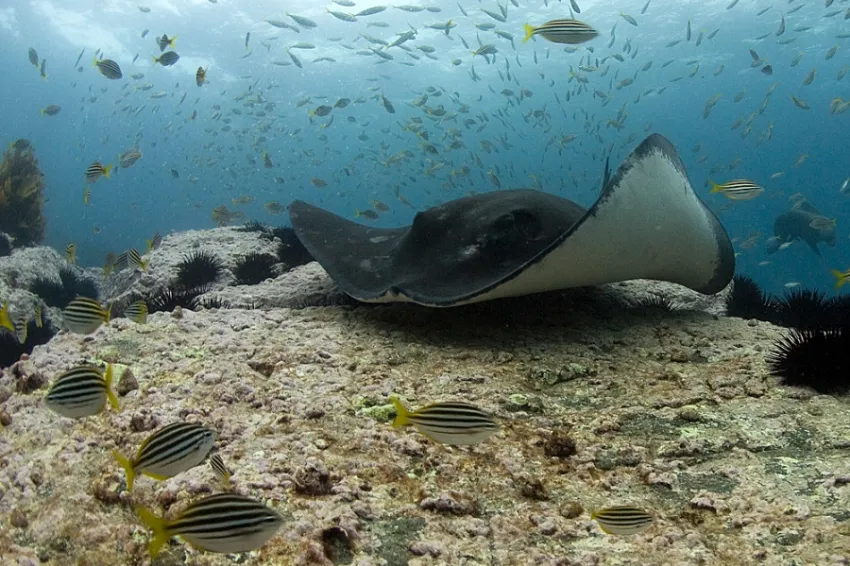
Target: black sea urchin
(839,311)
(168,299)
(254,268)
(290,250)
(11,350)
(819,359)
(5,245)
(804,309)
(657,303)
(213,303)
(748,301)
(197,269)
(253,226)
(70,285)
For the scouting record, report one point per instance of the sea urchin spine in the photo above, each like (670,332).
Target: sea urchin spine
(254,268)
(815,358)
(198,269)
(746,300)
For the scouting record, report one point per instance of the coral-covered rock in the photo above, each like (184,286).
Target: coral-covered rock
(21,195)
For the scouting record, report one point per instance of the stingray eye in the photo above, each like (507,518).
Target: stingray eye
(527,224)
(504,224)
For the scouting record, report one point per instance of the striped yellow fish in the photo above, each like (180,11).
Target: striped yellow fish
(220,469)
(97,170)
(82,391)
(567,31)
(451,422)
(622,519)
(84,315)
(5,321)
(841,277)
(739,189)
(169,451)
(225,522)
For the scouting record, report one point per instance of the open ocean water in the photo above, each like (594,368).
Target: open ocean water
(529,114)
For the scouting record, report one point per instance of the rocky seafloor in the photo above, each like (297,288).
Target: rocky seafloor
(601,402)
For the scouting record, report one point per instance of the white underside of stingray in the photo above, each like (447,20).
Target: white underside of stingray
(650,225)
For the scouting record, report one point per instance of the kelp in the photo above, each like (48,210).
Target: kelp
(21,195)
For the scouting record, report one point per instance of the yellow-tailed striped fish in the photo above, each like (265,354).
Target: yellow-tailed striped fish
(167,59)
(567,31)
(136,260)
(84,315)
(5,321)
(622,519)
(224,522)
(129,158)
(739,189)
(823,223)
(109,264)
(164,42)
(108,68)
(841,277)
(220,470)
(82,391)
(131,258)
(86,196)
(96,170)
(71,252)
(169,451)
(39,323)
(451,422)
(137,312)
(21,329)
(153,243)
(201,76)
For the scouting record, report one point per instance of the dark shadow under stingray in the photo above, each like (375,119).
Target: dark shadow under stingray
(545,319)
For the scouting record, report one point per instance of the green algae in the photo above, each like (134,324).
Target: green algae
(125,348)
(194,353)
(714,483)
(337,546)
(798,439)
(109,353)
(645,424)
(545,376)
(395,536)
(380,413)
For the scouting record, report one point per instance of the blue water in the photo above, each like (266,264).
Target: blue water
(99,117)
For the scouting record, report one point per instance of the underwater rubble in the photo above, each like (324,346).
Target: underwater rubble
(637,392)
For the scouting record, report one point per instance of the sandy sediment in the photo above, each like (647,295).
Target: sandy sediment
(601,402)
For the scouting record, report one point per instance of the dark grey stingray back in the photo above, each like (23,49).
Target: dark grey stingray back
(450,252)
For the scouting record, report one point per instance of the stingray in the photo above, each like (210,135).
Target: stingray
(648,223)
